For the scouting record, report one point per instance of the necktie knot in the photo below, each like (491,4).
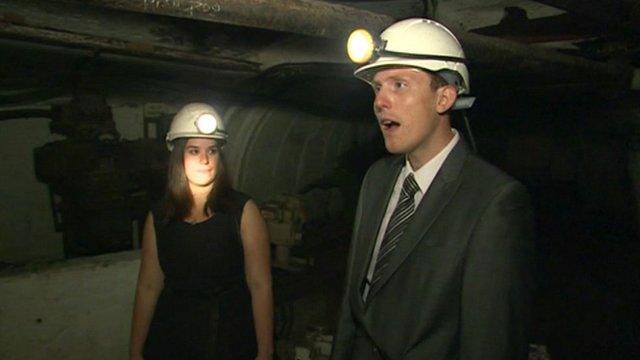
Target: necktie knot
(410,186)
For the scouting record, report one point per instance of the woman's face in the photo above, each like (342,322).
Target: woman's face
(200,161)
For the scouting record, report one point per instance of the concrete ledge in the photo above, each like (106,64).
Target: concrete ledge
(67,265)
(75,309)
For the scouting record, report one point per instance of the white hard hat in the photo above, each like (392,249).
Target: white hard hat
(197,120)
(419,43)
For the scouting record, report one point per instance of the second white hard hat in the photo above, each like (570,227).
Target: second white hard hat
(196,120)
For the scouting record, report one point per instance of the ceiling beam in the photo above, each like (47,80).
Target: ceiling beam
(324,19)
(123,47)
(547,65)
(305,17)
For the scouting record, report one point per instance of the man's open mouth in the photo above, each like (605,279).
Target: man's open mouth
(389,124)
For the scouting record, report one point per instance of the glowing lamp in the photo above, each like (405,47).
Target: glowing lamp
(206,124)
(360,46)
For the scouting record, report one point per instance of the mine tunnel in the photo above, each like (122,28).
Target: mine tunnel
(88,90)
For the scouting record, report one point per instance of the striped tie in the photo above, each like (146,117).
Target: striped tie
(399,220)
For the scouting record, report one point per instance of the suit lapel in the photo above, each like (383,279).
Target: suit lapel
(376,205)
(442,189)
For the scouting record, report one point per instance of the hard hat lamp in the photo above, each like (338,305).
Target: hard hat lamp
(206,124)
(360,46)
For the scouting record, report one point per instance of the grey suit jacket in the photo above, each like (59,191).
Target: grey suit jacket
(458,284)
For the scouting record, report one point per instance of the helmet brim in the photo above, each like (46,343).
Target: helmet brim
(367,72)
(221,139)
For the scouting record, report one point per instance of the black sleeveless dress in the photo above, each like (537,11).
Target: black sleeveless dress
(204,310)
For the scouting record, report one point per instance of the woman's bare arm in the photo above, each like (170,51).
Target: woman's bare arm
(255,241)
(150,284)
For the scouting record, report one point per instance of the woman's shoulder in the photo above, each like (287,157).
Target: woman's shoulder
(157,210)
(238,198)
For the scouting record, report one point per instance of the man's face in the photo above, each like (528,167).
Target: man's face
(405,106)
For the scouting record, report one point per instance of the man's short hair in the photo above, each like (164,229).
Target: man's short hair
(437,81)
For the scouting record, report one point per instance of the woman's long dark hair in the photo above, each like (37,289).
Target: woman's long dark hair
(178,200)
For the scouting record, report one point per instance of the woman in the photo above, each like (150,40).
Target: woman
(205,252)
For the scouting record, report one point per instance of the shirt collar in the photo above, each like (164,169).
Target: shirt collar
(425,174)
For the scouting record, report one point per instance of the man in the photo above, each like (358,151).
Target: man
(440,255)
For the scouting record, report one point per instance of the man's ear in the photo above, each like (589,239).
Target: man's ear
(447,96)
